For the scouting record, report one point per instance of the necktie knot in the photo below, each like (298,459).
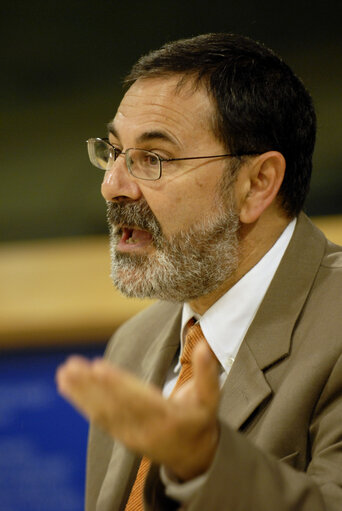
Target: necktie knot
(193,336)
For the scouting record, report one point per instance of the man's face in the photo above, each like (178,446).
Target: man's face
(174,238)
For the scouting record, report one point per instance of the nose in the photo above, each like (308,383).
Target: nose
(118,183)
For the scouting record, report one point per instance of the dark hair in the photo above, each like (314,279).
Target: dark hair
(261,104)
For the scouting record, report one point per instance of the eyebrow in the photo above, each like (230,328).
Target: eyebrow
(111,129)
(147,136)
(155,135)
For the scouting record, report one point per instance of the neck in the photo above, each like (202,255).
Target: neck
(255,241)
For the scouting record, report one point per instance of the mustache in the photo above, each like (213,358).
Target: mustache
(137,214)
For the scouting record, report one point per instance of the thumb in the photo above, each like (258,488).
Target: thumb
(206,375)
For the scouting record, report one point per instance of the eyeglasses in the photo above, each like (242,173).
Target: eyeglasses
(141,164)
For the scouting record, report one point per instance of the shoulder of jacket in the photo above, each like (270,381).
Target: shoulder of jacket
(155,314)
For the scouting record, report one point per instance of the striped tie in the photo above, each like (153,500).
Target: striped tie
(193,335)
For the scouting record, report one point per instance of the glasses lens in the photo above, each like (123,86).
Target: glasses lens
(100,153)
(143,164)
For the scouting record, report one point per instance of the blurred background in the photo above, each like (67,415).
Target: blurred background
(62,67)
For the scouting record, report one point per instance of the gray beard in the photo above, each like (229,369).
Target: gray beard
(189,265)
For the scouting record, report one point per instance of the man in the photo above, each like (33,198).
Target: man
(207,167)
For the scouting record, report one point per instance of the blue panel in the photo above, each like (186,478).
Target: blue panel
(42,438)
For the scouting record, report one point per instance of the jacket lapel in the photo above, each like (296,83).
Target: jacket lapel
(244,390)
(162,350)
(268,340)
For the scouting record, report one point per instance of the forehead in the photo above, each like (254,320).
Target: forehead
(158,104)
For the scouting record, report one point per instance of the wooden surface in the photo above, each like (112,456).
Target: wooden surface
(59,291)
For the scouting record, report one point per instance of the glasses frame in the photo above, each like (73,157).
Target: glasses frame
(117,153)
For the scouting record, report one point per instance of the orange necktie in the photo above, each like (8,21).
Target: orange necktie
(193,335)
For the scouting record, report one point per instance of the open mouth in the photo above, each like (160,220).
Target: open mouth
(133,238)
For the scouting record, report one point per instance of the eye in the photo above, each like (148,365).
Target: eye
(116,152)
(151,159)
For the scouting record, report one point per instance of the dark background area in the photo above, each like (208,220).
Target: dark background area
(62,65)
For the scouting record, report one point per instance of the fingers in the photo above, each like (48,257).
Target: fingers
(197,402)
(206,375)
(68,375)
(77,372)
(116,400)
(75,381)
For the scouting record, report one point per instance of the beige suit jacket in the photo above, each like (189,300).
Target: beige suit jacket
(281,407)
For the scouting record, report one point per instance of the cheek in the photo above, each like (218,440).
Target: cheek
(171,212)
(183,202)
(176,212)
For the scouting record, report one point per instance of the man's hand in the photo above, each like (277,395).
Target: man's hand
(180,433)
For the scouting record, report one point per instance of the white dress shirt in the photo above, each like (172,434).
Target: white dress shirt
(224,326)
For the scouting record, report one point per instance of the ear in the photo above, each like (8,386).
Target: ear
(258,184)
